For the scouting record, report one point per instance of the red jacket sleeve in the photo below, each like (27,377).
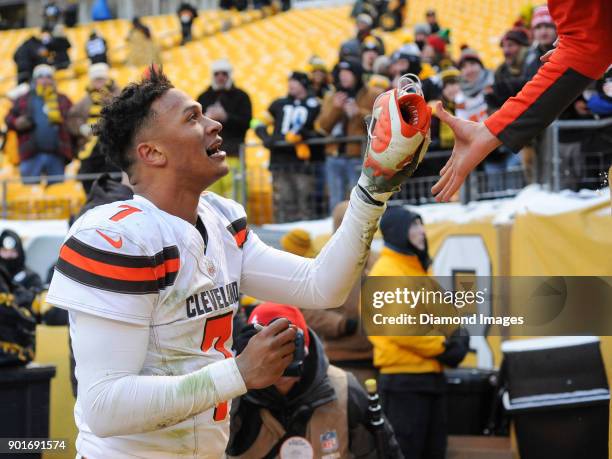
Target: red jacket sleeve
(583,54)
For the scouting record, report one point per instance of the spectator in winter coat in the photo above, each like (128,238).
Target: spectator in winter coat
(186,14)
(351,49)
(295,169)
(84,115)
(442,137)
(411,382)
(39,118)
(223,101)
(13,259)
(59,47)
(544,34)
(600,103)
(342,114)
(432,21)
(29,54)
(509,77)
(421,33)
(96,49)
(320,79)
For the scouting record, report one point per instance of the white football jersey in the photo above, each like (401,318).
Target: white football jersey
(132,262)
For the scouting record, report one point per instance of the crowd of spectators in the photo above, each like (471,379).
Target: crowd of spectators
(310,176)
(463,83)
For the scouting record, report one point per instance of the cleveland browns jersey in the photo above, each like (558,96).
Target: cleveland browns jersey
(132,262)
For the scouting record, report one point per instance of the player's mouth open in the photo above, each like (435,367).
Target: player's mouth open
(214,150)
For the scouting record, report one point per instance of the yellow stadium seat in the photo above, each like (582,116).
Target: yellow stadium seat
(71,191)
(263,50)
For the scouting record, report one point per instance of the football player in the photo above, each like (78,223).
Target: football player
(152,284)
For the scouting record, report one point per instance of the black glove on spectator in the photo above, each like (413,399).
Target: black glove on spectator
(350,327)
(267,139)
(457,346)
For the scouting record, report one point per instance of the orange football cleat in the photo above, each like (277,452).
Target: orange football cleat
(398,136)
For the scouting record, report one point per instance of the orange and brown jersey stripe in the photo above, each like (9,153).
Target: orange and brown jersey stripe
(118,272)
(239,230)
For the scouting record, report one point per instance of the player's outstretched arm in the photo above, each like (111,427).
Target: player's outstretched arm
(116,399)
(399,140)
(473,143)
(582,55)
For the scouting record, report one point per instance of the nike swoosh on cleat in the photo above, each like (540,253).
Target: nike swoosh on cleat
(115,243)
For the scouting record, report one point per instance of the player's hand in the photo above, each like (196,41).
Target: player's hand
(473,142)
(268,353)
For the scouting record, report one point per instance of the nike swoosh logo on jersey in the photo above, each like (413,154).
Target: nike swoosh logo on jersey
(115,243)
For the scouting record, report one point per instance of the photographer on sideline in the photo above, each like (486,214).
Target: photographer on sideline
(315,408)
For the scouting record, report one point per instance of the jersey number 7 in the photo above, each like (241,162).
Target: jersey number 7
(217,331)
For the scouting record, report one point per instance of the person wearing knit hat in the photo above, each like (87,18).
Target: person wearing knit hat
(475,81)
(99,71)
(39,118)
(421,32)
(298,242)
(370,50)
(434,51)
(508,76)
(351,49)
(472,103)
(382,66)
(301,78)
(544,34)
(365,21)
(469,55)
(85,114)
(441,134)
(432,20)
(319,76)
(225,102)
(331,404)
(411,381)
(406,59)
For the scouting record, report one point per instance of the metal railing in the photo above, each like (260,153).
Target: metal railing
(37,202)
(255,187)
(552,136)
(309,198)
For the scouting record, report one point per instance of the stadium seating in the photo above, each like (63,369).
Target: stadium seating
(262,52)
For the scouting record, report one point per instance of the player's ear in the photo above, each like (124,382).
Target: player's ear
(148,154)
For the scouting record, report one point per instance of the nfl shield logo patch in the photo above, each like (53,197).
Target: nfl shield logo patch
(329,442)
(210,267)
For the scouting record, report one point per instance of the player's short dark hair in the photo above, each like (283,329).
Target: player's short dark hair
(126,114)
